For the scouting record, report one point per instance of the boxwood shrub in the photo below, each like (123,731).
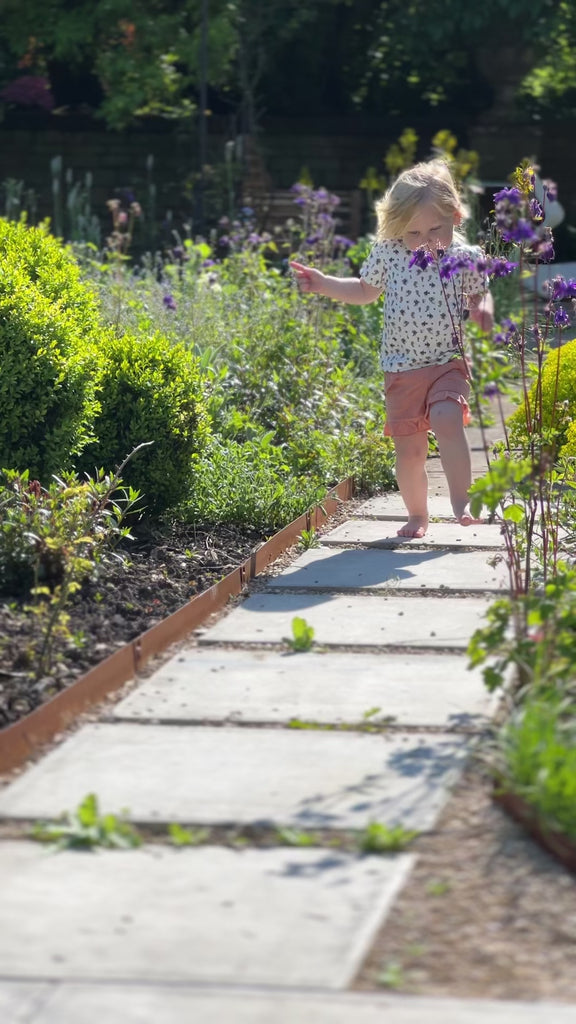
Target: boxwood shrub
(48,338)
(151,389)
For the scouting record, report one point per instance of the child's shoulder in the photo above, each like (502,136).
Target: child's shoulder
(388,250)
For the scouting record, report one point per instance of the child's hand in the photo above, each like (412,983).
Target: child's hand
(307,279)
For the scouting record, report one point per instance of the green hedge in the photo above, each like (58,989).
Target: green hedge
(48,340)
(150,390)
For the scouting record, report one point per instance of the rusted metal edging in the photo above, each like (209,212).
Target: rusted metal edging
(24,739)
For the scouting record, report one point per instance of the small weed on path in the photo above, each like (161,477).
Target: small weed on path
(380,838)
(87,829)
(302,637)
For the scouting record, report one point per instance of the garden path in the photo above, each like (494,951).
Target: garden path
(235,732)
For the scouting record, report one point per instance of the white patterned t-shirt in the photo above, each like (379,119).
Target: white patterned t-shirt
(421,313)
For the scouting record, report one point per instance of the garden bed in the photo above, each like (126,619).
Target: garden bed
(559,845)
(164,573)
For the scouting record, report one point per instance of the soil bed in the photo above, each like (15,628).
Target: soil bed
(487,913)
(117,605)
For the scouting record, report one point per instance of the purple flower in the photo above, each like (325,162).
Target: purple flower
(545,251)
(500,267)
(208,263)
(491,390)
(421,258)
(452,265)
(254,238)
(301,201)
(522,231)
(247,211)
(550,189)
(560,288)
(536,211)
(508,195)
(29,91)
(312,239)
(507,334)
(169,302)
(561,318)
(223,240)
(342,242)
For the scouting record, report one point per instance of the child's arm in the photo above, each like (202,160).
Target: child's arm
(482,310)
(353,290)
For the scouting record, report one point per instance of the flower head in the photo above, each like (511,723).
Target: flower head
(510,196)
(169,302)
(561,318)
(421,258)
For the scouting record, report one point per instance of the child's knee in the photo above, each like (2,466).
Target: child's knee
(446,416)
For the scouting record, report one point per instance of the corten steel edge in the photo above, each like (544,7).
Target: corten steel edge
(24,739)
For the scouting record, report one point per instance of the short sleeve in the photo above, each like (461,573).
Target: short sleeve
(373,270)
(475,281)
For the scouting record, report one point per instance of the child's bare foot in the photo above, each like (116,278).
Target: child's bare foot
(464,515)
(415,527)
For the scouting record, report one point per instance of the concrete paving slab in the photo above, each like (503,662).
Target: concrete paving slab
(283,916)
(391,506)
(405,569)
(345,620)
(132,1004)
(231,775)
(378,533)
(267,686)
(20,1001)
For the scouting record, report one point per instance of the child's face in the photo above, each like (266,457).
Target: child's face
(431,228)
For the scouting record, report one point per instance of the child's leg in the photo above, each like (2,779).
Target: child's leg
(446,422)
(411,453)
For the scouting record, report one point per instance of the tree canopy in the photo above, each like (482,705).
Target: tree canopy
(146,57)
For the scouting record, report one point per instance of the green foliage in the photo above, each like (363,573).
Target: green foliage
(308,539)
(86,829)
(50,541)
(392,976)
(533,632)
(248,483)
(551,401)
(296,837)
(151,391)
(302,638)
(380,838)
(48,338)
(61,532)
(180,836)
(549,89)
(537,759)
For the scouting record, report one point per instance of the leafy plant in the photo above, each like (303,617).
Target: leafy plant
(51,539)
(302,638)
(380,838)
(308,539)
(86,828)
(180,836)
(392,976)
(536,759)
(151,392)
(49,333)
(296,837)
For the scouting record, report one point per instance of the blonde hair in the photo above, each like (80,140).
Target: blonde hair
(428,182)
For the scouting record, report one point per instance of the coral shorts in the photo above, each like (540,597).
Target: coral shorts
(410,393)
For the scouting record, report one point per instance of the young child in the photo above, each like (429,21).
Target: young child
(426,378)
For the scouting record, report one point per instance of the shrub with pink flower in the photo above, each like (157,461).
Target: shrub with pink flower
(29,91)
